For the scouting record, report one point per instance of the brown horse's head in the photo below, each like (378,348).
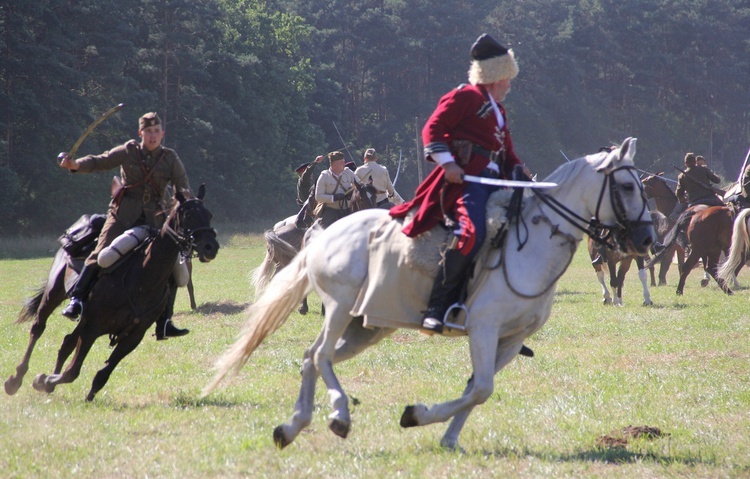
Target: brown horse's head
(656,187)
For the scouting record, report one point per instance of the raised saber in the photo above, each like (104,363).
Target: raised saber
(88,130)
(398,168)
(509,183)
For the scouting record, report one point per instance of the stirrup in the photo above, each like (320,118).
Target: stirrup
(461,307)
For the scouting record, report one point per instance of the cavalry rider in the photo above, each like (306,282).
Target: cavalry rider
(372,172)
(694,186)
(467,133)
(306,192)
(333,190)
(146,169)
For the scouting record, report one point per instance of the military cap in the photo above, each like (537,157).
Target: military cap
(371,153)
(149,119)
(335,155)
(351,165)
(301,168)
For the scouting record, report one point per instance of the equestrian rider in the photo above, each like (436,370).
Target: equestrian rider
(467,133)
(377,175)
(694,185)
(146,168)
(333,190)
(306,192)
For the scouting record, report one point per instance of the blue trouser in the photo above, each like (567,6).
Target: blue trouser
(470,214)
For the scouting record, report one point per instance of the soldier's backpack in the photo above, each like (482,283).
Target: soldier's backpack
(80,238)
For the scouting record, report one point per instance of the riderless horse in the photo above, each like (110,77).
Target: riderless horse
(125,301)
(510,295)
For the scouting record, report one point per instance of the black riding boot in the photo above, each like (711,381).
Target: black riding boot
(445,289)
(81,290)
(164,326)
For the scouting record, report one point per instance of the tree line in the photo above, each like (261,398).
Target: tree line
(249,89)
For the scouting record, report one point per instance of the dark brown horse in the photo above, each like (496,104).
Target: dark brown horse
(709,233)
(125,301)
(284,241)
(656,188)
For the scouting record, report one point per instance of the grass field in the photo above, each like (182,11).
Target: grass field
(682,366)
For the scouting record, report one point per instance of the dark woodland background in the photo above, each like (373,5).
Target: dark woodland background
(249,89)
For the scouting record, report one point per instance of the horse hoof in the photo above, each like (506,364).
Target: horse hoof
(729,292)
(648,303)
(339,428)
(409,418)
(279,438)
(704,283)
(41,385)
(12,385)
(679,292)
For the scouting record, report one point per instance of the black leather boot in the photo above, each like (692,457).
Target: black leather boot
(445,289)
(166,329)
(81,290)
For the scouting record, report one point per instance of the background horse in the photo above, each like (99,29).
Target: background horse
(612,259)
(126,300)
(508,302)
(284,241)
(709,232)
(656,188)
(738,249)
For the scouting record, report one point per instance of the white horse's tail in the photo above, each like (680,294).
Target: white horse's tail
(278,251)
(286,290)
(739,247)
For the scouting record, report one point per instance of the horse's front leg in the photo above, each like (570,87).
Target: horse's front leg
(643,276)
(483,346)
(503,356)
(123,348)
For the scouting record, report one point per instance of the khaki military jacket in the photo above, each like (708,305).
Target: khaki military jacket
(381,180)
(327,186)
(140,199)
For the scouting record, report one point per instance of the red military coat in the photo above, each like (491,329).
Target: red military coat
(464,113)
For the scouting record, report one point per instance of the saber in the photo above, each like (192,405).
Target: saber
(509,183)
(742,171)
(88,130)
(565,156)
(398,168)
(342,141)
(658,176)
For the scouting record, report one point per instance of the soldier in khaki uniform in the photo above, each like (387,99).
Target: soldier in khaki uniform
(332,188)
(378,175)
(146,168)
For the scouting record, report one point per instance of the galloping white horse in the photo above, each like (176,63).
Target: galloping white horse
(739,251)
(507,303)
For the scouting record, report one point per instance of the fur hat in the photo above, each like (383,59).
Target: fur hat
(335,156)
(301,168)
(491,62)
(149,119)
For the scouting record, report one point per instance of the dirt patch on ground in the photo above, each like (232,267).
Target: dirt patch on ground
(220,307)
(622,437)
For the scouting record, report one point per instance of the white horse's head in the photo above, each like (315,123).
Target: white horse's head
(621,209)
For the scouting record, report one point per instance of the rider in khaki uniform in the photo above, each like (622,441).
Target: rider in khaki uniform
(333,190)
(146,168)
(373,172)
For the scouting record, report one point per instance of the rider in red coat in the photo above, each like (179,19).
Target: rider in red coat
(467,133)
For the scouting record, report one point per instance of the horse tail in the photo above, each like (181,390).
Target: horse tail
(31,306)
(285,291)
(278,253)
(738,248)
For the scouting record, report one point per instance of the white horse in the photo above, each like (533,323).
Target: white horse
(507,303)
(739,250)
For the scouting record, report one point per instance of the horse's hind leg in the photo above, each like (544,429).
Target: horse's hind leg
(607,297)
(47,384)
(355,340)
(123,348)
(48,301)
(643,276)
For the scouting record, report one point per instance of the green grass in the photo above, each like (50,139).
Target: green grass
(682,365)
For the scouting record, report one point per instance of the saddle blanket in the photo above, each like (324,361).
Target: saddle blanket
(402,269)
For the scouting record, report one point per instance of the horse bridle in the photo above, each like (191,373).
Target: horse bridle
(185,241)
(603,234)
